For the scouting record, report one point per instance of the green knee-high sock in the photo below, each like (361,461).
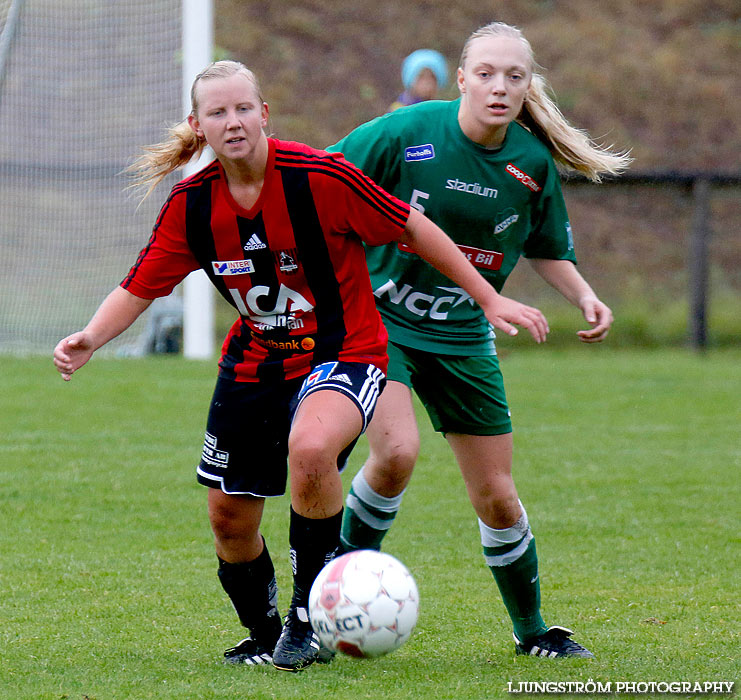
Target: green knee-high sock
(368,516)
(519,585)
(513,561)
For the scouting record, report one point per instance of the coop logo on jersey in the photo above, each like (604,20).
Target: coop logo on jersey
(233,267)
(523,177)
(424,152)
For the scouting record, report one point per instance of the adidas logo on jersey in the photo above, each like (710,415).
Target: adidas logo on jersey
(254,243)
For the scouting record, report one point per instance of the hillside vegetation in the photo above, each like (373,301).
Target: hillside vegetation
(660,77)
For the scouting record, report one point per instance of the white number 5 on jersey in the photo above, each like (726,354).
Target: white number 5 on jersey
(414,201)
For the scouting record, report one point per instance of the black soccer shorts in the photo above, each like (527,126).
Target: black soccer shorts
(245,450)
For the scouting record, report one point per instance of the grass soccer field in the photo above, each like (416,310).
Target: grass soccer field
(628,463)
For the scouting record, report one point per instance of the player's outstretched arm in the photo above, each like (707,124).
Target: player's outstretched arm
(117,312)
(563,276)
(430,242)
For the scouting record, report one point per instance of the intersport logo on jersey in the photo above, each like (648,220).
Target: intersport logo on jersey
(233,267)
(523,177)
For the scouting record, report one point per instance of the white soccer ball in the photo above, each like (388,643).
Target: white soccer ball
(364,603)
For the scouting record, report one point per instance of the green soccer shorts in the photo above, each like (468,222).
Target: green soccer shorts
(461,394)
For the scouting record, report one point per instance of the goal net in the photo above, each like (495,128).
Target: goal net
(83,85)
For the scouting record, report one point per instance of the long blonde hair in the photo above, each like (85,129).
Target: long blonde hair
(181,144)
(570,147)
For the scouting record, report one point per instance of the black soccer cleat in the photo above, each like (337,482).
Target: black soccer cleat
(249,652)
(554,643)
(325,656)
(298,646)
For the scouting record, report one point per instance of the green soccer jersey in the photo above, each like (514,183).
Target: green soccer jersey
(495,204)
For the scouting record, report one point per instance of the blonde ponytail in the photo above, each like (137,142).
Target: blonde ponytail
(570,147)
(182,144)
(160,159)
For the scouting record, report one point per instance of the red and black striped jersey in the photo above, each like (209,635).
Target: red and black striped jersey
(293,265)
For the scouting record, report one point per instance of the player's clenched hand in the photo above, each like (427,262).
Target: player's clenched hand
(72,353)
(503,312)
(599,317)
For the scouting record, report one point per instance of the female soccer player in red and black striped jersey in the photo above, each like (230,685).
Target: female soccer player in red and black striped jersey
(278,227)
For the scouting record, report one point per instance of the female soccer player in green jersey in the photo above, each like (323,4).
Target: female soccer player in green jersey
(482,167)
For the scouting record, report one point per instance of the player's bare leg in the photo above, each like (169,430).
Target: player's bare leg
(325,423)
(393,438)
(377,489)
(509,547)
(485,462)
(235,522)
(246,573)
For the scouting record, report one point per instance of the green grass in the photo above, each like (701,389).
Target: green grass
(627,462)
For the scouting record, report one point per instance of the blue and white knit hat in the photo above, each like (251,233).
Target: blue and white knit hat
(420,59)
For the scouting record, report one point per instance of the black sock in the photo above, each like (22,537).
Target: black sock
(314,543)
(252,588)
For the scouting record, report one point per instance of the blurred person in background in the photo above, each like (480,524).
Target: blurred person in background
(482,167)
(424,73)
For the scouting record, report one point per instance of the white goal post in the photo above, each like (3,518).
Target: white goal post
(198,294)
(84,84)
